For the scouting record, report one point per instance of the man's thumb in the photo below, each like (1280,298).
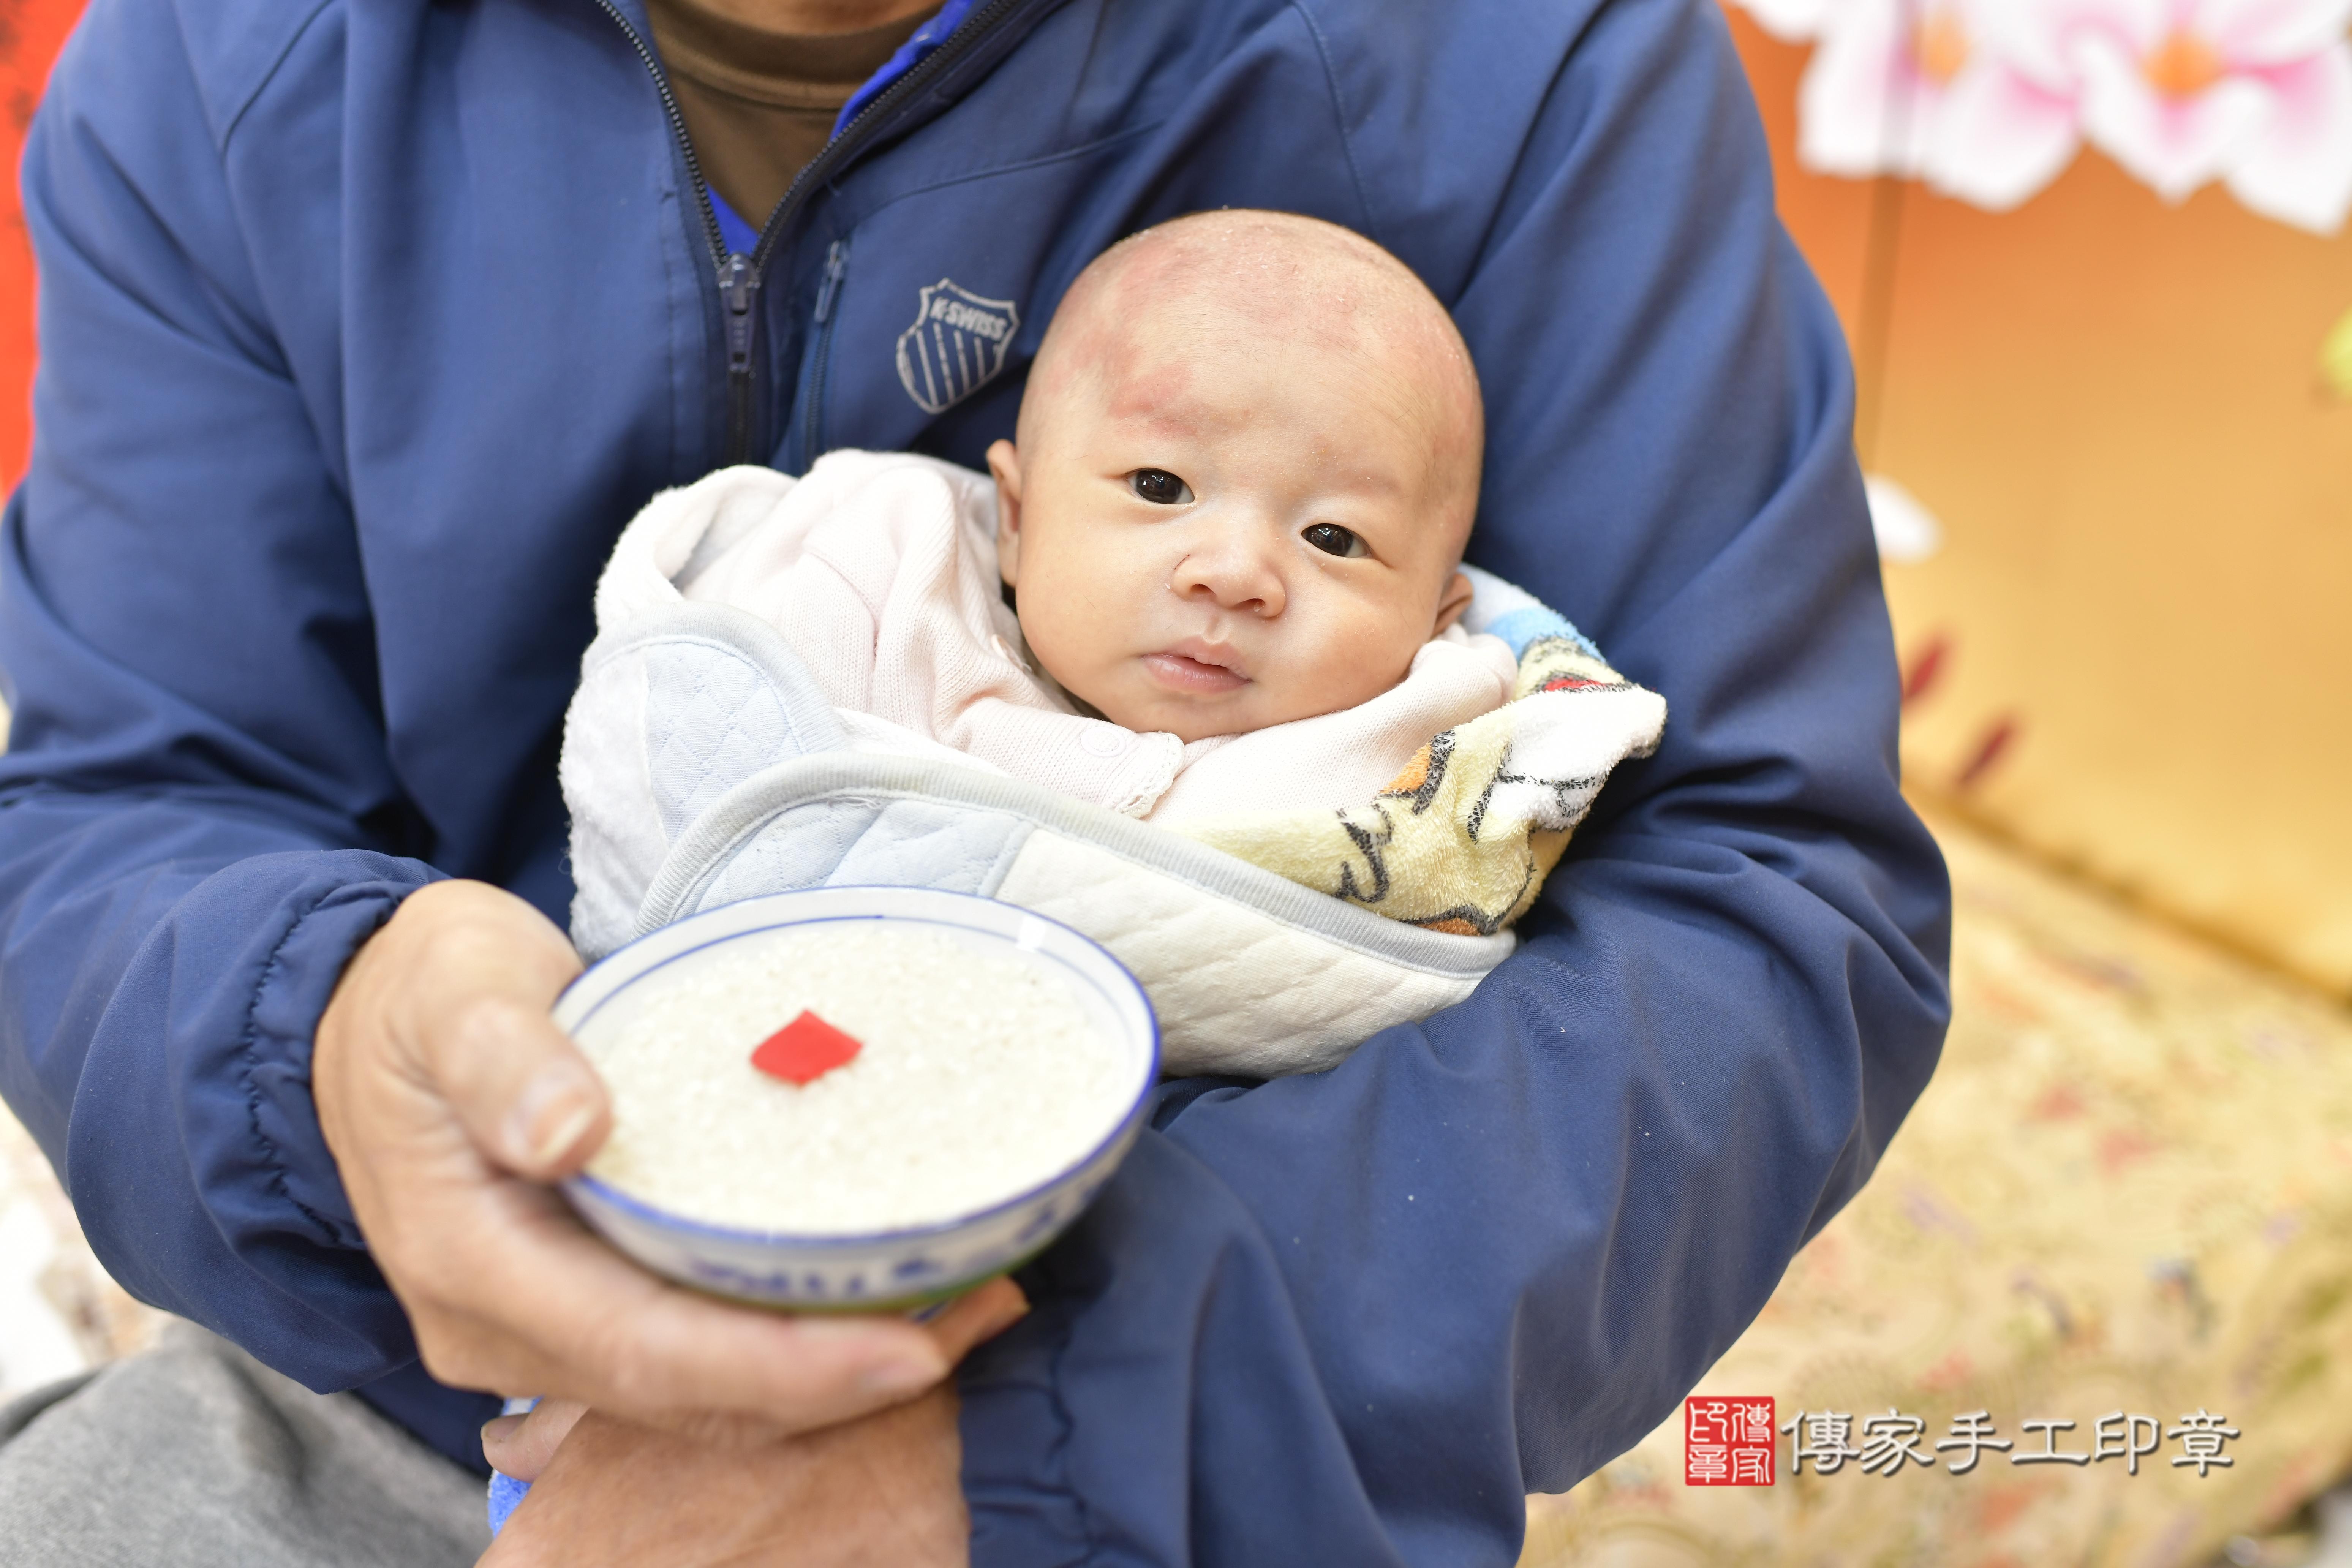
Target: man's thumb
(480,987)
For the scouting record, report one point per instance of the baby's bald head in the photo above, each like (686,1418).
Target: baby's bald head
(1247,464)
(1288,286)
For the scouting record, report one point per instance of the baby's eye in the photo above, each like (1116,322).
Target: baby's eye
(1333,540)
(1160,486)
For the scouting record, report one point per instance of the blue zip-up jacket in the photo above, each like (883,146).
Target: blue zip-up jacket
(366,323)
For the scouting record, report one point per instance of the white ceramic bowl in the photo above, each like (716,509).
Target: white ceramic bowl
(893,1269)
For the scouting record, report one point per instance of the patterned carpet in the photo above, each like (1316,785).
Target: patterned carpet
(2128,1193)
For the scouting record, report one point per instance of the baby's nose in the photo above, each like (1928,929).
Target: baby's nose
(1232,573)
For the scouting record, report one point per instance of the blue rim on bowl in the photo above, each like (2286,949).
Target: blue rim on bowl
(617,972)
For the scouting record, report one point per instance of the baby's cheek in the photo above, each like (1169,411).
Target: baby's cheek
(1066,643)
(1363,658)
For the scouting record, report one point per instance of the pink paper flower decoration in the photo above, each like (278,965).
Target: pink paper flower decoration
(1989,99)
(1910,87)
(2257,93)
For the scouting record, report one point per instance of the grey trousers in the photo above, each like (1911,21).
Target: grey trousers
(197,1456)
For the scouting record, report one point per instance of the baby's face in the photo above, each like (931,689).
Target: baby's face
(1215,526)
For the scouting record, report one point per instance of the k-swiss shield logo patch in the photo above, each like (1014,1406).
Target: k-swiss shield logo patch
(956,346)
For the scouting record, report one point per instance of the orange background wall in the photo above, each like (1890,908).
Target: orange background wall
(2134,648)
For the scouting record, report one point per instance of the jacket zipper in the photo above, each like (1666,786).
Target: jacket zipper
(738,281)
(836,263)
(740,275)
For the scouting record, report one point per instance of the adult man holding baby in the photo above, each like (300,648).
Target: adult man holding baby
(365,325)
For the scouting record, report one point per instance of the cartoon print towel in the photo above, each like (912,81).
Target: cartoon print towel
(1462,839)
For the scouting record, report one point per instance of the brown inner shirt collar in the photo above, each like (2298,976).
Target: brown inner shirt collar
(759,105)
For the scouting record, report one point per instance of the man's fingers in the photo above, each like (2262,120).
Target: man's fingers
(520,1446)
(981,1314)
(520,1088)
(811,1371)
(573,1319)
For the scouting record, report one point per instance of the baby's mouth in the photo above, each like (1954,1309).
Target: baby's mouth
(1197,667)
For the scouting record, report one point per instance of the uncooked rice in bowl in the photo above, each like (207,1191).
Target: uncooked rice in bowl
(980,1079)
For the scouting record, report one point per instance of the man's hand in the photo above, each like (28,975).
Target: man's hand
(448,1099)
(879,1492)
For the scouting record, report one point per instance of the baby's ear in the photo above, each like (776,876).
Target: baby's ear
(1004,464)
(1450,606)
